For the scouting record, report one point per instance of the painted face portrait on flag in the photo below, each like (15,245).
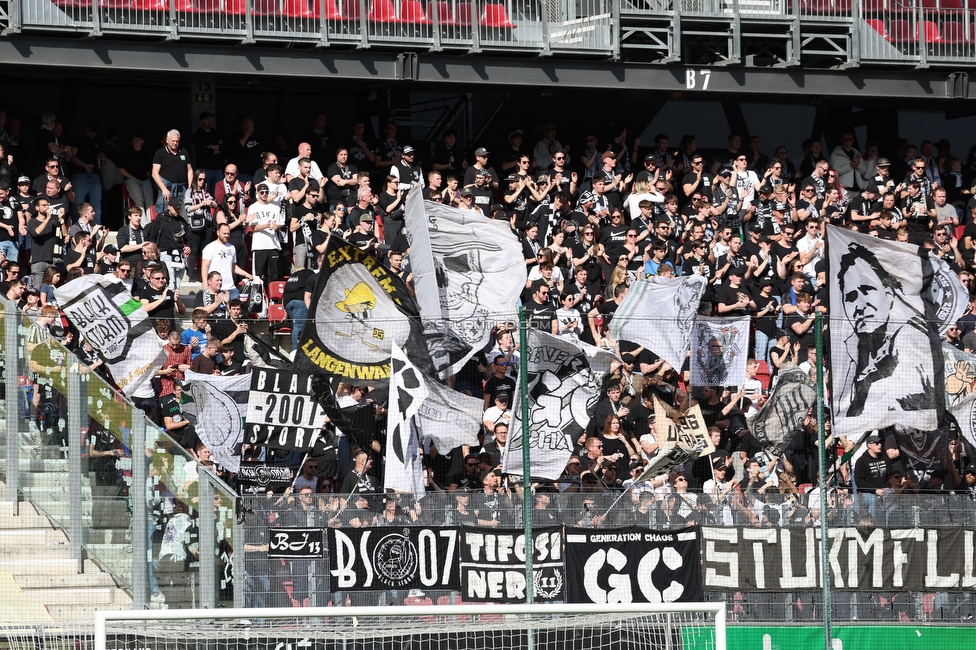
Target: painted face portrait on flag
(886,329)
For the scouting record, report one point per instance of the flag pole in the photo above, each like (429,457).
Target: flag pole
(822,437)
(526,469)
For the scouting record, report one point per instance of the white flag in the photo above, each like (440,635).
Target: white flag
(885,347)
(468,272)
(449,418)
(719,348)
(117,327)
(564,380)
(658,314)
(220,406)
(404,470)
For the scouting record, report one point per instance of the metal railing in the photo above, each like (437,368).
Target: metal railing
(916,33)
(99,469)
(306,582)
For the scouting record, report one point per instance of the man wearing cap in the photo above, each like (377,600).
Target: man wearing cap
(871,473)
(725,198)
(480,164)
(966,483)
(172,171)
(467,201)
(406,171)
(264,220)
(364,236)
(882,177)
(546,149)
(613,183)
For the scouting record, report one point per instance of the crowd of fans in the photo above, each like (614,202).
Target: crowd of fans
(592,220)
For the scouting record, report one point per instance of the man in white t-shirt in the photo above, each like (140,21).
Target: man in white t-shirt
(265,220)
(291,170)
(221,256)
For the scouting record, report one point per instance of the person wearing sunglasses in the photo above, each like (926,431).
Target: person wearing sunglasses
(264,221)
(499,382)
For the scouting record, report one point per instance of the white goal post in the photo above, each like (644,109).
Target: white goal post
(668,626)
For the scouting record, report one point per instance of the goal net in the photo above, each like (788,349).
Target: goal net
(443,627)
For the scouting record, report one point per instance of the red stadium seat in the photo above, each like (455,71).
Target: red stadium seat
(300,9)
(954,33)
(930,4)
(182,6)
(235,7)
(149,5)
(266,8)
(113,4)
(901,31)
(278,320)
(496,17)
(878,25)
(464,14)
(207,6)
(382,11)
(874,6)
(276,290)
(763,375)
(443,14)
(350,9)
(412,12)
(931,32)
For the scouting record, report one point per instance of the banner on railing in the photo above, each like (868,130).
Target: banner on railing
(280,407)
(493,565)
(296,543)
(260,478)
(633,565)
(367,559)
(860,559)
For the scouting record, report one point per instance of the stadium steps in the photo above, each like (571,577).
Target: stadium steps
(38,557)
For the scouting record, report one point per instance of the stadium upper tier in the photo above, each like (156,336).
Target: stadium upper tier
(761,33)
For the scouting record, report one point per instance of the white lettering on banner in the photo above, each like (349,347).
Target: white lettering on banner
(932,578)
(345,557)
(874,545)
(619,584)
(364,553)
(645,573)
(731,558)
(899,558)
(836,537)
(799,583)
(496,585)
(759,538)
(502,548)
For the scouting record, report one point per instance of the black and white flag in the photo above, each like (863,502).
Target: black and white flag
(358,310)
(280,403)
(404,470)
(117,327)
(220,406)
(719,348)
(783,413)
(885,346)
(564,380)
(449,418)
(658,313)
(255,477)
(468,272)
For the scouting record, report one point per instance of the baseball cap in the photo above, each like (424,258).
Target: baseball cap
(110,250)
(970,468)
(502,394)
(883,162)
(176,202)
(23,179)
(586,197)
(736,271)
(481,151)
(407,150)
(263,186)
(766,281)
(765,189)
(780,334)
(726,173)
(515,133)
(366,216)
(650,158)
(466,192)
(483,172)
(512,178)
(873,438)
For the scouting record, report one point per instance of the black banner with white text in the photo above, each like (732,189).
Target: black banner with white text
(860,559)
(633,565)
(493,565)
(367,559)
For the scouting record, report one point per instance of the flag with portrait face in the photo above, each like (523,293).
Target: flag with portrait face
(889,302)
(719,347)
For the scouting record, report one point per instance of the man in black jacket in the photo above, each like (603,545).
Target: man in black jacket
(168,231)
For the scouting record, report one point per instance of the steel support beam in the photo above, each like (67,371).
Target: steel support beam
(371,66)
